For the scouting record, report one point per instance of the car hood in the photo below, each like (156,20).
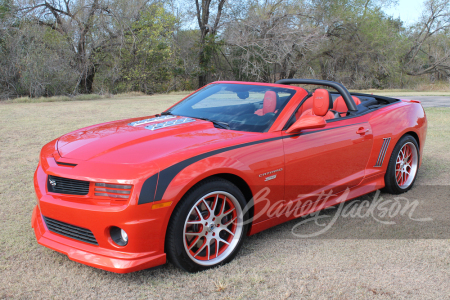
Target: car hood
(120,142)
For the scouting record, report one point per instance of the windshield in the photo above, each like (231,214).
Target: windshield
(236,106)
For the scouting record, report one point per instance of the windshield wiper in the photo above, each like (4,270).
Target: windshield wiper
(221,124)
(166,113)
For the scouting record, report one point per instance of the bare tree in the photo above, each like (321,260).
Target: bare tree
(90,27)
(430,50)
(272,41)
(203,12)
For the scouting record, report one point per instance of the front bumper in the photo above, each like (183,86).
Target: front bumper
(113,261)
(145,228)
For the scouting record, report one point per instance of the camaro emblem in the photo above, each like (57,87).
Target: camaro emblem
(271,172)
(52,182)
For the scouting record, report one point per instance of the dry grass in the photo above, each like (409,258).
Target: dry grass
(269,265)
(422,89)
(434,87)
(58,98)
(402,92)
(84,97)
(429,89)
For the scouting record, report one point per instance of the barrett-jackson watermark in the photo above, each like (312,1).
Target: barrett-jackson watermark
(381,210)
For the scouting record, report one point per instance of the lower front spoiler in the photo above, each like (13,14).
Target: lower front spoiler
(90,258)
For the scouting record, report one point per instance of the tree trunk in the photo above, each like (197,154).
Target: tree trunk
(292,73)
(203,63)
(205,28)
(87,81)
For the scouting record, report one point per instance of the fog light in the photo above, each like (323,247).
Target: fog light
(124,235)
(119,236)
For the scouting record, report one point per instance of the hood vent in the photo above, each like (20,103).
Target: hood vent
(65,164)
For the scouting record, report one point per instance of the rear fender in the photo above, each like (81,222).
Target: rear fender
(391,124)
(414,121)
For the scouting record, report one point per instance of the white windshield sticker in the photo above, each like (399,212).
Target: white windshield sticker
(169,123)
(151,120)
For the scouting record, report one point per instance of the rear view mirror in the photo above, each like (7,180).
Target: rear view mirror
(307,122)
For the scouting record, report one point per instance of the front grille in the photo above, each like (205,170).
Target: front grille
(67,186)
(71,231)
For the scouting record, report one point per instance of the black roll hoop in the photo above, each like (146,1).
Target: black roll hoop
(337,86)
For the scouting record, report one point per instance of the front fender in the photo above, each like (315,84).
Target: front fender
(193,174)
(250,162)
(205,168)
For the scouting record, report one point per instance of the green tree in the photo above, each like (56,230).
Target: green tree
(208,32)
(363,45)
(148,62)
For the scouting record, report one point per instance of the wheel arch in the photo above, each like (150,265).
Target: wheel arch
(414,135)
(414,122)
(240,183)
(395,188)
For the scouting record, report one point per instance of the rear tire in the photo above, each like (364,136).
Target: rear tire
(403,166)
(207,227)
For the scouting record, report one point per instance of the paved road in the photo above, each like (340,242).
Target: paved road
(429,101)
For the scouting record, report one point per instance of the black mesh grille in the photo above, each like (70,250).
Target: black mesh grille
(71,231)
(67,186)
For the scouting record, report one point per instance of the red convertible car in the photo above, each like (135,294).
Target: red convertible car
(185,185)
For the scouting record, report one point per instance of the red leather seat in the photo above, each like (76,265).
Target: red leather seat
(269,104)
(341,107)
(322,103)
(305,106)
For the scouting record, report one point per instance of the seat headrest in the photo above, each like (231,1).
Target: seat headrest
(322,102)
(340,105)
(270,102)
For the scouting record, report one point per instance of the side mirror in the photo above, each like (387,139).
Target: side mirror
(307,122)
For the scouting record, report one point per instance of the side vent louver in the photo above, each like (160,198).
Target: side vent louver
(383,150)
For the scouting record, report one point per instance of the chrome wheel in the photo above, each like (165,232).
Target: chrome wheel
(213,228)
(406,165)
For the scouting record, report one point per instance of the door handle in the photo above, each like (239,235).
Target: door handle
(362,131)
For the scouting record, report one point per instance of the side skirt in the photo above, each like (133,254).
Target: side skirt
(367,186)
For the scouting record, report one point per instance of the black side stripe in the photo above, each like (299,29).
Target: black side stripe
(165,177)
(148,190)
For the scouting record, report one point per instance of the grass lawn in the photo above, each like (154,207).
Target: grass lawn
(269,265)
(401,93)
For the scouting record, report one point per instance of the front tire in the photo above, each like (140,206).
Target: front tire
(403,166)
(207,227)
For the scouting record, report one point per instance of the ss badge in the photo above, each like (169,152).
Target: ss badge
(270,177)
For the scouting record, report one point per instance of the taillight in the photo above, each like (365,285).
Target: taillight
(116,191)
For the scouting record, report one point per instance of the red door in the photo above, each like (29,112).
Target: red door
(331,158)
